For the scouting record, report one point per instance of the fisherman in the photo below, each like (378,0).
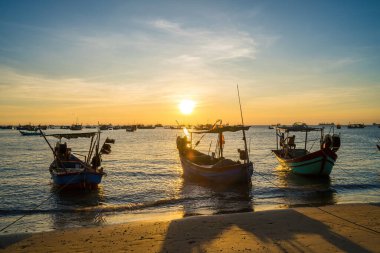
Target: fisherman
(282,140)
(291,143)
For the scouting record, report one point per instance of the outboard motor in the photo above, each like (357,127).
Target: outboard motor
(335,142)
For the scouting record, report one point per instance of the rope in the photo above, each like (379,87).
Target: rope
(373,230)
(334,215)
(40,204)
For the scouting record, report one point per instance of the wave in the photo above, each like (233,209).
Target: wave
(357,186)
(96,209)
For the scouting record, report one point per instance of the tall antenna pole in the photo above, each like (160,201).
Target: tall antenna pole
(242,122)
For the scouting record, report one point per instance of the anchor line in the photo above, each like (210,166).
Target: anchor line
(40,204)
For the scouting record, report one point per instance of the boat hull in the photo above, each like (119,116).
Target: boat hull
(319,163)
(77,180)
(74,173)
(26,133)
(228,174)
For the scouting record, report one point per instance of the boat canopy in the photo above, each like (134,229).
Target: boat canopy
(298,128)
(222,129)
(73,135)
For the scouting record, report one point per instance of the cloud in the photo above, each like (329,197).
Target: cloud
(168,26)
(209,44)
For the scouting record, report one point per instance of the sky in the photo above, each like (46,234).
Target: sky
(128,62)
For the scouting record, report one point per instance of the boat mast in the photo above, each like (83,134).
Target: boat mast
(242,122)
(43,135)
(306,140)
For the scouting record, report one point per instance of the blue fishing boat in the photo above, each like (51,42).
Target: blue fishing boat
(300,160)
(68,171)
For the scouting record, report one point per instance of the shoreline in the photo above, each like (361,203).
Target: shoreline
(345,227)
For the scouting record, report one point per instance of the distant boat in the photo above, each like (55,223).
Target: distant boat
(202,127)
(146,127)
(214,168)
(300,160)
(355,126)
(28,127)
(131,128)
(76,127)
(68,171)
(270,127)
(338,126)
(29,133)
(106,127)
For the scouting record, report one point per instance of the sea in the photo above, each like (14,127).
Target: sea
(144,179)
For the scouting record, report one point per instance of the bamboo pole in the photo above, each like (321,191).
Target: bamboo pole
(242,122)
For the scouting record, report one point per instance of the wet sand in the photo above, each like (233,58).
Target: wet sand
(308,229)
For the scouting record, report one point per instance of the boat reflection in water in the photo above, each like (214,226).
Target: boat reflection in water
(298,190)
(78,208)
(204,198)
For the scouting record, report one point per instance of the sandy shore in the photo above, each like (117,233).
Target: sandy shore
(357,229)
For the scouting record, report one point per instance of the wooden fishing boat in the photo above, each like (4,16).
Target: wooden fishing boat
(351,126)
(301,160)
(68,171)
(131,128)
(29,133)
(76,127)
(215,168)
(211,168)
(146,127)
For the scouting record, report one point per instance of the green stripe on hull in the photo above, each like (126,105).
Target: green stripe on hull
(310,167)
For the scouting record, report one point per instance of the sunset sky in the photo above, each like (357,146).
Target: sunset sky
(126,62)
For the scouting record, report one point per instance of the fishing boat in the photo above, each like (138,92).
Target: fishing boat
(76,127)
(67,170)
(29,133)
(213,168)
(131,128)
(351,126)
(301,160)
(146,127)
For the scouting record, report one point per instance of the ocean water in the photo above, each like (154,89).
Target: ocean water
(144,179)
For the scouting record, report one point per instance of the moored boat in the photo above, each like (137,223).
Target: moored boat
(146,127)
(360,125)
(301,160)
(29,133)
(132,128)
(213,168)
(76,127)
(68,171)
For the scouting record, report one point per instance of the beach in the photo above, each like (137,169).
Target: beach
(335,228)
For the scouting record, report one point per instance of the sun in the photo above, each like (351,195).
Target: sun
(186,106)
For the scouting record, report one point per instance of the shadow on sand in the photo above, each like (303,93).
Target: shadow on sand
(270,231)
